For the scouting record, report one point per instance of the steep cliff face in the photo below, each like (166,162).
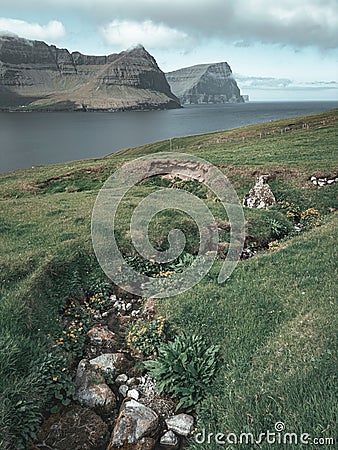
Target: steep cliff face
(39,76)
(205,83)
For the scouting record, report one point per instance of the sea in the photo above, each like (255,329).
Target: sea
(29,139)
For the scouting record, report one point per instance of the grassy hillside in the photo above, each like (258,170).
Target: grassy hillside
(275,319)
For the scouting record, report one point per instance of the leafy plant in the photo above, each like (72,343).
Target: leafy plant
(193,186)
(310,218)
(145,337)
(185,368)
(278,230)
(56,380)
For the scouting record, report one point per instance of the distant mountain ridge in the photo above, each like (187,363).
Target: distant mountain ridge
(34,75)
(205,83)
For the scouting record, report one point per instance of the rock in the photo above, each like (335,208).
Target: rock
(77,428)
(150,397)
(143,444)
(150,309)
(91,389)
(97,396)
(132,381)
(261,195)
(121,379)
(133,393)
(135,422)
(123,389)
(169,439)
(181,424)
(102,339)
(122,363)
(205,83)
(105,362)
(86,374)
(330,181)
(44,76)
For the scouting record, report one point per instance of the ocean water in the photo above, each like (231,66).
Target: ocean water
(38,138)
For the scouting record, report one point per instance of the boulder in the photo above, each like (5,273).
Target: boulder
(261,195)
(181,424)
(169,439)
(121,379)
(105,362)
(97,396)
(91,389)
(101,339)
(135,421)
(76,428)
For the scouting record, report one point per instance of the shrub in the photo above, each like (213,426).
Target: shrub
(185,368)
(144,338)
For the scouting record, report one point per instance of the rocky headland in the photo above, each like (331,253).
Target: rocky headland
(205,83)
(37,76)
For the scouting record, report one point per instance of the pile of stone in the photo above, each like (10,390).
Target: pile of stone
(260,195)
(116,406)
(323,181)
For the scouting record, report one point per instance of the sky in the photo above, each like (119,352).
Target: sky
(278,50)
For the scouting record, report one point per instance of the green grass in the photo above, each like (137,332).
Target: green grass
(274,318)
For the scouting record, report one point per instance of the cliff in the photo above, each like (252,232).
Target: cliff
(34,75)
(205,83)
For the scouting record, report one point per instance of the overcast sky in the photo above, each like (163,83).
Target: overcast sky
(286,49)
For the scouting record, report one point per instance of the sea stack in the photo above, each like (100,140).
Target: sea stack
(205,83)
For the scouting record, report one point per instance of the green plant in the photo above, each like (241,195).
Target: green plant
(291,210)
(193,186)
(278,230)
(185,368)
(27,420)
(145,337)
(55,380)
(310,218)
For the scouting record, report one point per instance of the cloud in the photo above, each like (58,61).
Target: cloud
(268,83)
(124,34)
(298,24)
(50,32)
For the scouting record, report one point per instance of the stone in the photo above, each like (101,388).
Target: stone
(150,397)
(102,339)
(86,374)
(76,428)
(134,422)
(261,195)
(132,381)
(123,362)
(105,362)
(181,424)
(91,389)
(123,389)
(121,379)
(143,444)
(169,439)
(97,396)
(133,393)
